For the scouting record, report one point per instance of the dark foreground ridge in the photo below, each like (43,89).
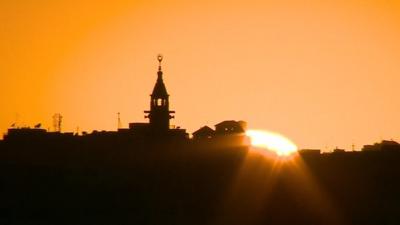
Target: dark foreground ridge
(152,173)
(193,182)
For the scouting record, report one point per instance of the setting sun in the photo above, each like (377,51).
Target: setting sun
(273,142)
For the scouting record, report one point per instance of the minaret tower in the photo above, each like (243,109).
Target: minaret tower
(159,114)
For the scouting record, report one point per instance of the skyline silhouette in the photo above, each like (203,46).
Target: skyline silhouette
(152,173)
(159,117)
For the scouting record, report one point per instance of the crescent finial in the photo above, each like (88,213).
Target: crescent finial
(159,57)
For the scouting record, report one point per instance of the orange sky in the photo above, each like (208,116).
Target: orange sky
(323,73)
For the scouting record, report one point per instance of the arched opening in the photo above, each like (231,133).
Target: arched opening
(159,102)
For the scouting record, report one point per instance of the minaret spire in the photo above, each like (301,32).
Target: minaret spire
(159,58)
(159,113)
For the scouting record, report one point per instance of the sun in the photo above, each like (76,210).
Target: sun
(273,142)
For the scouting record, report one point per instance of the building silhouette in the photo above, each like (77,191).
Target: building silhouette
(204,132)
(159,114)
(230,127)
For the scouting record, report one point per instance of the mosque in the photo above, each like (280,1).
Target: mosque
(159,114)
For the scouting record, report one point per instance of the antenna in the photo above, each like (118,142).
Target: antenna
(57,121)
(119,124)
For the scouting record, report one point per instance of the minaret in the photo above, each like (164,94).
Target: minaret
(159,114)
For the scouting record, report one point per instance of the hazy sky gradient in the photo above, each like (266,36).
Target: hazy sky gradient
(323,73)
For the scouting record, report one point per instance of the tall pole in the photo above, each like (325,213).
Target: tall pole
(119,125)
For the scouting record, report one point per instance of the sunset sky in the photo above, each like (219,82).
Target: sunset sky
(323,73)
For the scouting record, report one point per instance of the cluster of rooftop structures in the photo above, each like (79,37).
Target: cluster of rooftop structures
(158,126)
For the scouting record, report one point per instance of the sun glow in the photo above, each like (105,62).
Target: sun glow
(272,142)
